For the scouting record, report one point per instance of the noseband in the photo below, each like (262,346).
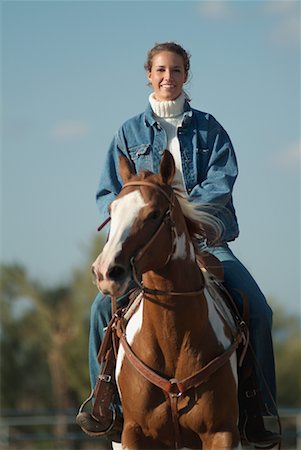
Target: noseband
(167,220)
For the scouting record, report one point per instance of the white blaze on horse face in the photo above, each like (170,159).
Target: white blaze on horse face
(124,211)
(182,248)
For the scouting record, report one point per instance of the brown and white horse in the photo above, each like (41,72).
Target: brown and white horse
(176,388)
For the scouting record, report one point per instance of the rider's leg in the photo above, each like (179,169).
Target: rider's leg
(238,280)
(101,313)
(99,318)
(240,283)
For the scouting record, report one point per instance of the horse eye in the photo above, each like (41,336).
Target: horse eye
(154,215)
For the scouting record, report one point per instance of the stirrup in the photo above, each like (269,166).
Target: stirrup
(89,423)
(91,426)
(80,410)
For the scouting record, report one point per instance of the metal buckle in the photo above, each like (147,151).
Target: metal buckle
(174,382)
(104,377)
(251,393)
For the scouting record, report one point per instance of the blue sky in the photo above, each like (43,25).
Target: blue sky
(72,72)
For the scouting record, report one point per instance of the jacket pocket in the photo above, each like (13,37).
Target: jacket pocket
(139,150)
(141,155)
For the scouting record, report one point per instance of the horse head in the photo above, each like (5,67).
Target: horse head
(141,215)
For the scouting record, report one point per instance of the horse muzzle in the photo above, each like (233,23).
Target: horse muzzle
(114,281)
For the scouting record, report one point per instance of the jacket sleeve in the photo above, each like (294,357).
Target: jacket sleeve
(221,171)
(110,182)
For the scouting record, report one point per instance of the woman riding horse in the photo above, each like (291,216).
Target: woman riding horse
(206,170)
(178,344)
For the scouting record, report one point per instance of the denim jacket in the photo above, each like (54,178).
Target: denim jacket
(208,161)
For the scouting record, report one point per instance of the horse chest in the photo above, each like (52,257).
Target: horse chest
(133,328)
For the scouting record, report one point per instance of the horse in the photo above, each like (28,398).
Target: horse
(176,367)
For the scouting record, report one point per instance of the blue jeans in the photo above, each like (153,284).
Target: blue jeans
(236,278)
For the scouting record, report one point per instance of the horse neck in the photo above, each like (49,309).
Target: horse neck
(177,276)
(181,273)
(178,324)
(175,323)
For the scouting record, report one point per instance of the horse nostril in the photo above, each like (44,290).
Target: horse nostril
(116,272)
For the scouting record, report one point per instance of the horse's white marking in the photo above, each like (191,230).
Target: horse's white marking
(214,317)
(181,248)
(216,321)
(123,214)
(133,327)
(117,446)
(192,251)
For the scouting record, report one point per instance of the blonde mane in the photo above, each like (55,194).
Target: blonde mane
(201,221)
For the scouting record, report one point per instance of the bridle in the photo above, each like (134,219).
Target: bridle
(167,221)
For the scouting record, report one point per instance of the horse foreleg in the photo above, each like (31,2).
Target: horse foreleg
(133,438)
(224,440)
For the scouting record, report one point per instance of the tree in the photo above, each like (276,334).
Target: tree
(44,341)
(287,345)
(22,343)
(44,337)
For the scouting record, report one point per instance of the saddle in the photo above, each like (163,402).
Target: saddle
(211,264)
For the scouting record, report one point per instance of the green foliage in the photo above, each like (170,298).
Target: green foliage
(21,353)
(44,338)
(287,345)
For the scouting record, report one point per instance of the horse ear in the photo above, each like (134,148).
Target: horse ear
(125,169)
(167,167)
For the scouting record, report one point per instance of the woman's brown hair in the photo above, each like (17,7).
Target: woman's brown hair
(167,47)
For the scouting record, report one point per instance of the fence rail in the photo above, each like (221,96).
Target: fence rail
(58,431)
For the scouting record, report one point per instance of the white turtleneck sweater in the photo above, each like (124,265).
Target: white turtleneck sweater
(170,115)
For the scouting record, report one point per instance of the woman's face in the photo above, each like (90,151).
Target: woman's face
(167,75)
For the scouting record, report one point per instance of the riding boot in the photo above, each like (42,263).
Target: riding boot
(103,420)
(110,425)
(251,424)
